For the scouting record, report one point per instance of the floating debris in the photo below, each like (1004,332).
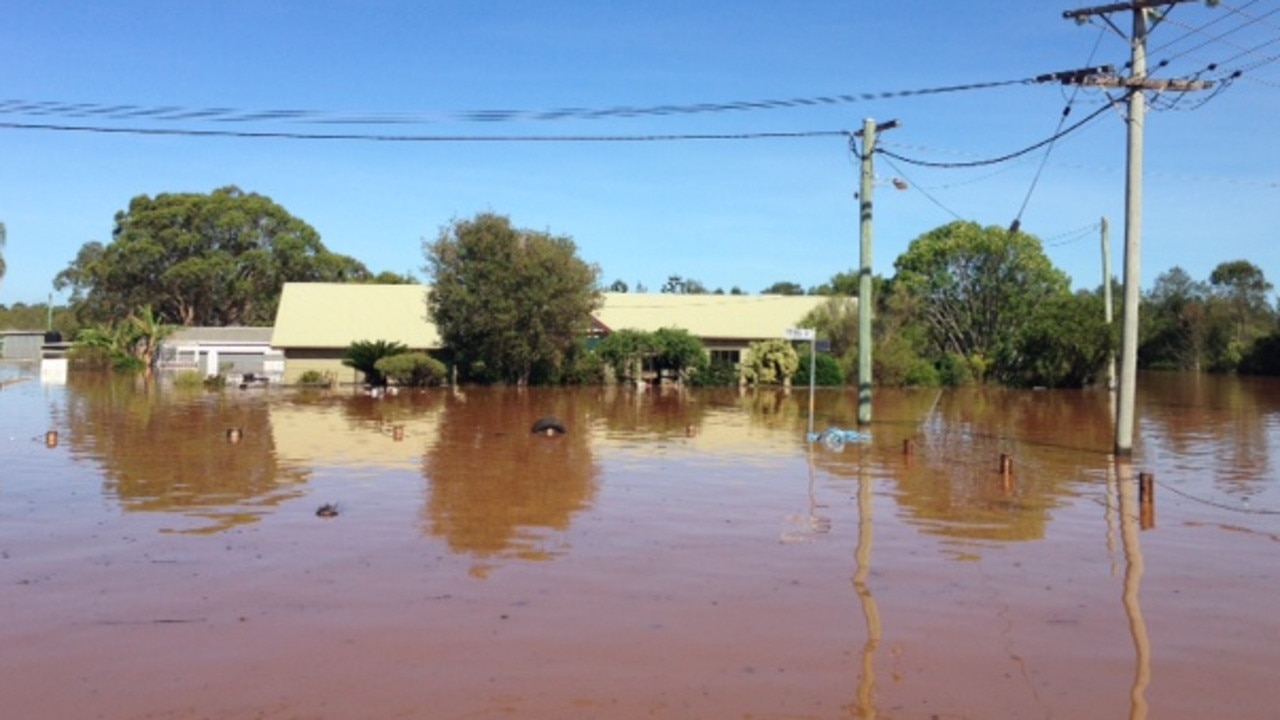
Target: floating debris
(548,426)
(835,438)
(327,510)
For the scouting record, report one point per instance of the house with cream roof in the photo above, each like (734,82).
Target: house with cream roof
(317,322)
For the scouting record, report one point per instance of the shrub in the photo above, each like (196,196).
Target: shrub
(584,368)
(414,369)
(311,377)
(827,371)
(770,362)
(714,373)
(956,371)
(188,379)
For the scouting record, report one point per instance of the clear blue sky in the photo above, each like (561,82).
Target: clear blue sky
(743,212)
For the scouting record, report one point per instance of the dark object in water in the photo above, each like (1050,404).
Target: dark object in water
(548,426)
(327,510)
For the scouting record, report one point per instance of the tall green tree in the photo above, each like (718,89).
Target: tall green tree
(1174,323)
(976,290)
(1245,291)
(508,301)
(836,321)
(201,259)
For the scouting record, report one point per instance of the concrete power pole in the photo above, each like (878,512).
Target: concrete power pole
(865,301)
(1107,309)
(1135,85)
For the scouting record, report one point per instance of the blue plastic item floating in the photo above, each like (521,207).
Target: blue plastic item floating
(836,439)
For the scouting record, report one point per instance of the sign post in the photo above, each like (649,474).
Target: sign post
(812,336)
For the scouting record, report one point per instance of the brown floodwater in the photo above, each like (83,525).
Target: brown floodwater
(978,554)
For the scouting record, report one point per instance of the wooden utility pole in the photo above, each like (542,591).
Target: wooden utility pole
(1136,86)
(865,301)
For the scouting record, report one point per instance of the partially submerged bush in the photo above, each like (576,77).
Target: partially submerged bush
(770,362)
(827,371)
(188,379)
(414,369)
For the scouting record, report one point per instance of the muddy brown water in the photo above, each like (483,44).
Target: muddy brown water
(673,555)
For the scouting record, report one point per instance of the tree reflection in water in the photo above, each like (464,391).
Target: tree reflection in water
(166,450)
(497,490)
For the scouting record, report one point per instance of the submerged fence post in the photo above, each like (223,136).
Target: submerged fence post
(1146,501)
(1006,472)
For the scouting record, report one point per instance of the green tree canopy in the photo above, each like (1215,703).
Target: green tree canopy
(676,349)
(783,287)
(836,321)
(842,283)
(977,289)
(508,301)
(1245,291)
(1174,324)
(1067,343)
(196,259)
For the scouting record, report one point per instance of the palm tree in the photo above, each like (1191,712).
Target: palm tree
(146,332)
(363,355)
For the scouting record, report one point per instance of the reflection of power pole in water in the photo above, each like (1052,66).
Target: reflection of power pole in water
(1134,567)
(865,706)
(1112,489)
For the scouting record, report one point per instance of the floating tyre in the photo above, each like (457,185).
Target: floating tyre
(548,426)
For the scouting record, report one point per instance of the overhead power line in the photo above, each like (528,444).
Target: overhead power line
(409,138)
(173,113)
(1002,158)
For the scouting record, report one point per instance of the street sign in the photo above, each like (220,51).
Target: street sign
(806,334)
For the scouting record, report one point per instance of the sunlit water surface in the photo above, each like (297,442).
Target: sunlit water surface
(684,555)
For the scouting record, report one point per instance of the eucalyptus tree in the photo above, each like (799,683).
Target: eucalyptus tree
(1245,291)
(201,259)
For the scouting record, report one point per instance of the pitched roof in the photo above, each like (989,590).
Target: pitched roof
(330,315)
(334,315)
(709,317)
